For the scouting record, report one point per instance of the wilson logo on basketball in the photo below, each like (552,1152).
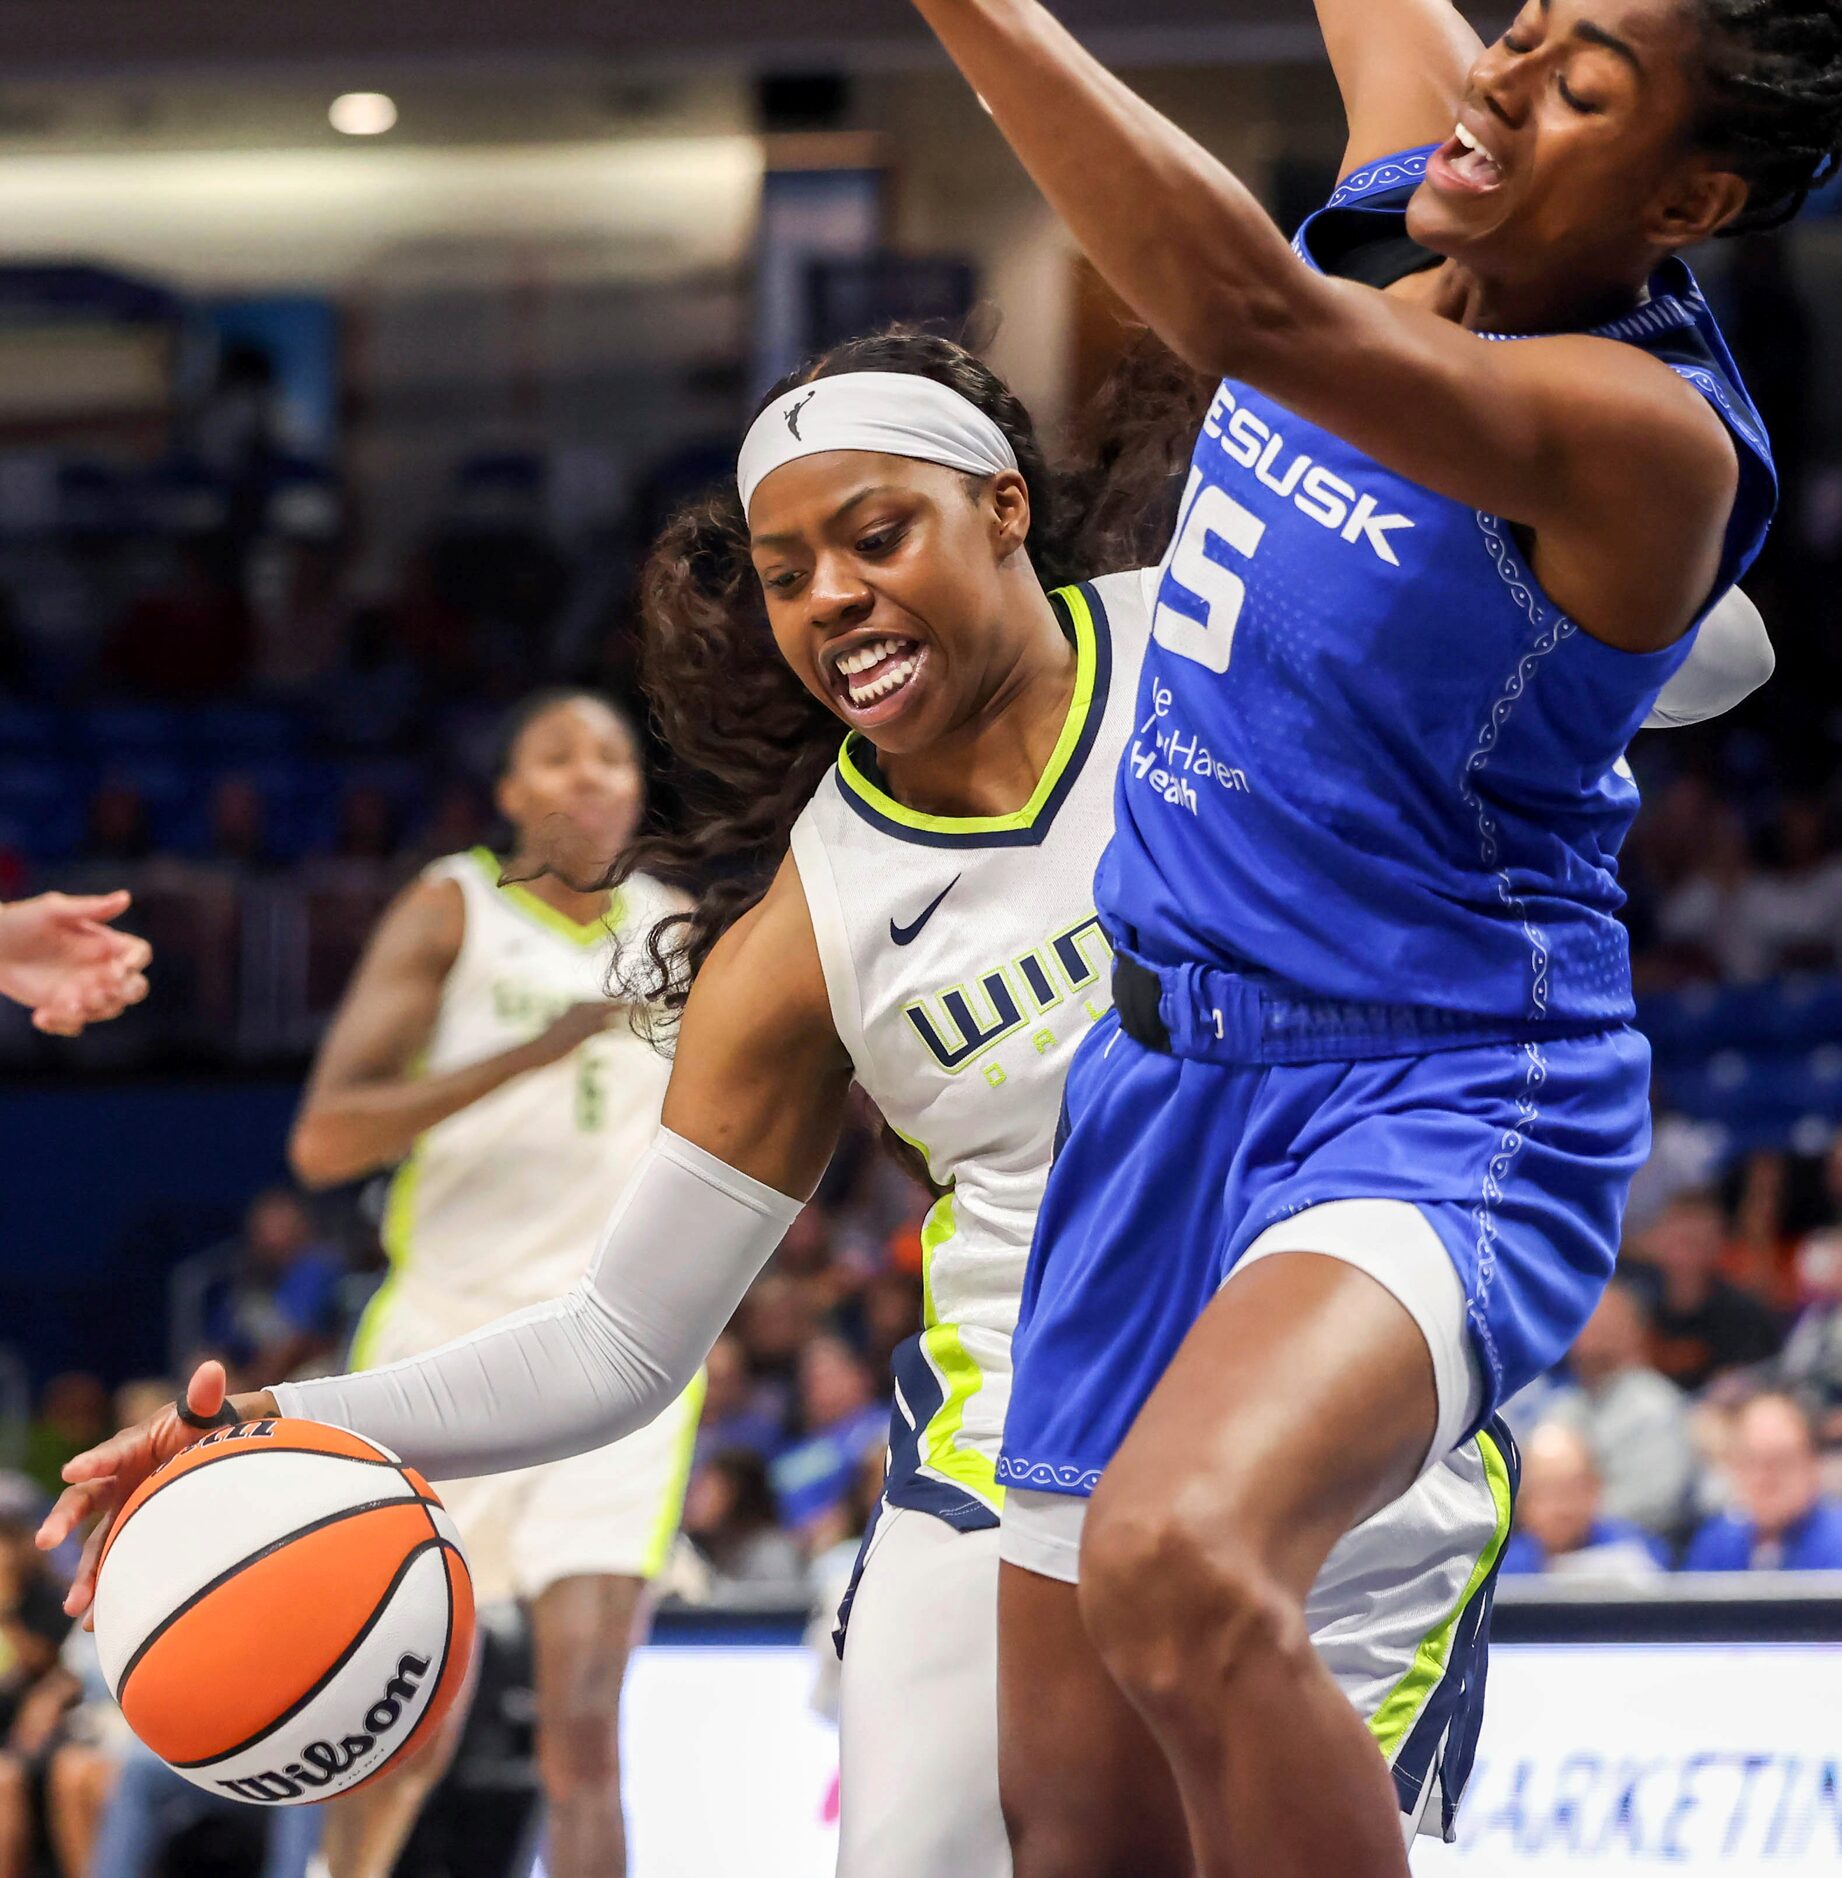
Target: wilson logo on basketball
(323,1762)
(240,1431)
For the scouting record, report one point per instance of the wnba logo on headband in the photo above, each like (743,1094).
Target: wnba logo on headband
(887,413)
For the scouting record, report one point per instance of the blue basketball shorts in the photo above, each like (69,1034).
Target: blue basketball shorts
(1168,1168)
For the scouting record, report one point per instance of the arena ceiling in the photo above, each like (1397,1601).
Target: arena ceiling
(123,38)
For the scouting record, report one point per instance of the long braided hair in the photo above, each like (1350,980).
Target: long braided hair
(1773,74)
(753,743)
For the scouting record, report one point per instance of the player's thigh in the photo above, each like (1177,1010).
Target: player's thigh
(918,1707)
(1084,1785)
(1302,1400)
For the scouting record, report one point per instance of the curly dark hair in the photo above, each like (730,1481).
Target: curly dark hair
(1773,72)
(753,741)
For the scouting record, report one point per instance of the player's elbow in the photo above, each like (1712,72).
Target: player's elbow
(313,1155)
(1252,328)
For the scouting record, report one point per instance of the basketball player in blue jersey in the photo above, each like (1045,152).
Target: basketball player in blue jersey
(914,911)
(59,958)
(1347,1166)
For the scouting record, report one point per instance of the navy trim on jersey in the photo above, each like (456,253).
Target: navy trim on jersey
(1443,1741)
(1044,819)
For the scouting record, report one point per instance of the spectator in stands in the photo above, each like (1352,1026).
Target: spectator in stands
(1702,1325)
(891,1308)
(1812,1359)
(239,825)
(775,1322)
(1713,924)
(1781,1520)
(1800,914)
(80,1766)
(187,637)
(804,1257)
(282,1308)
(1560,1525)
(1685,1155)
(73,1414)
(1633,1418)
(840,1420)
(34,1691)
(729,1515)
(461,819)
(117,827)
(734,1414)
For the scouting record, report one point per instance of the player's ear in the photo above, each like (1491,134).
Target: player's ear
(1703,199)
(1008,498)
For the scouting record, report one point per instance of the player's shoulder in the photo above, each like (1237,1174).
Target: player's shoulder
(772,945)
(1128,599)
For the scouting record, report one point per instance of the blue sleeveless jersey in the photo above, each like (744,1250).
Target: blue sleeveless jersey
(1372,761)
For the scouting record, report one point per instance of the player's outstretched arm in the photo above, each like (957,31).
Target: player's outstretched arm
(1620,470)
(1400,67)
(61,960)
(756,1101)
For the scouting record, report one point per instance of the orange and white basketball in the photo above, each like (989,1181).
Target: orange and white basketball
(283,1610)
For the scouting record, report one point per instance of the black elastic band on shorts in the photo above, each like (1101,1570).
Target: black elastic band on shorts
(1136,992)
(226,1416)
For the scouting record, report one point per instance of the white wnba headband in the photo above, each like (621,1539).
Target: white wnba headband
(891,413)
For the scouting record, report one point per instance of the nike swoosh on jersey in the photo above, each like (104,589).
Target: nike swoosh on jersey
(907,935)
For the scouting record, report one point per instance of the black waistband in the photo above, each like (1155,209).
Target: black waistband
(1136,992)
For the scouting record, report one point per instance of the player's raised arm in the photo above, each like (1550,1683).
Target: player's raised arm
(1610,460)
(1400,67)
(756,1102)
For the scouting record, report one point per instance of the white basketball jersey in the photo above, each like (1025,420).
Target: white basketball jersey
(964,963)
(501,1205)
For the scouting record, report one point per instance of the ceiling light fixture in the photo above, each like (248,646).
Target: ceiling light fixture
(363,114)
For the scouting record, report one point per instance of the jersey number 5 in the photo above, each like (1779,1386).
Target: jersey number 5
(1212,512)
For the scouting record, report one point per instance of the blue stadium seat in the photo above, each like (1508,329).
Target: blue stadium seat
(115,731)
(232,732)
(1780,1014)
(32,730)
(42,808)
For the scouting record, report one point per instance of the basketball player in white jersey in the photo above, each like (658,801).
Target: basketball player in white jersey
(60,960)
(477,1050)
(927,931)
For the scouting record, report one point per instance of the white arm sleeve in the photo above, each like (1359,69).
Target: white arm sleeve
(687,1237)
(1731,658)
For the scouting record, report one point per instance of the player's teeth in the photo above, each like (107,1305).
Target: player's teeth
(1465,138)
(892,680)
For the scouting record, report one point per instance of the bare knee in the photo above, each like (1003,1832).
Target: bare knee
(578,1726)
(1180,1596)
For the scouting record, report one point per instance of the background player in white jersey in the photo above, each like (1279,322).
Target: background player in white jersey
(928,930)
(477,1050)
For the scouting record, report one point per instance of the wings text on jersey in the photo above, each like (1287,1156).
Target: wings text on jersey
(965,1020)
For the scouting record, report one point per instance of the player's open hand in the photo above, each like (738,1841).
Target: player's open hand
(59,958)
(103,1477)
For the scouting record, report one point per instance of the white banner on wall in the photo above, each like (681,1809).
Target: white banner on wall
(1672,1758)
(1623,1761)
